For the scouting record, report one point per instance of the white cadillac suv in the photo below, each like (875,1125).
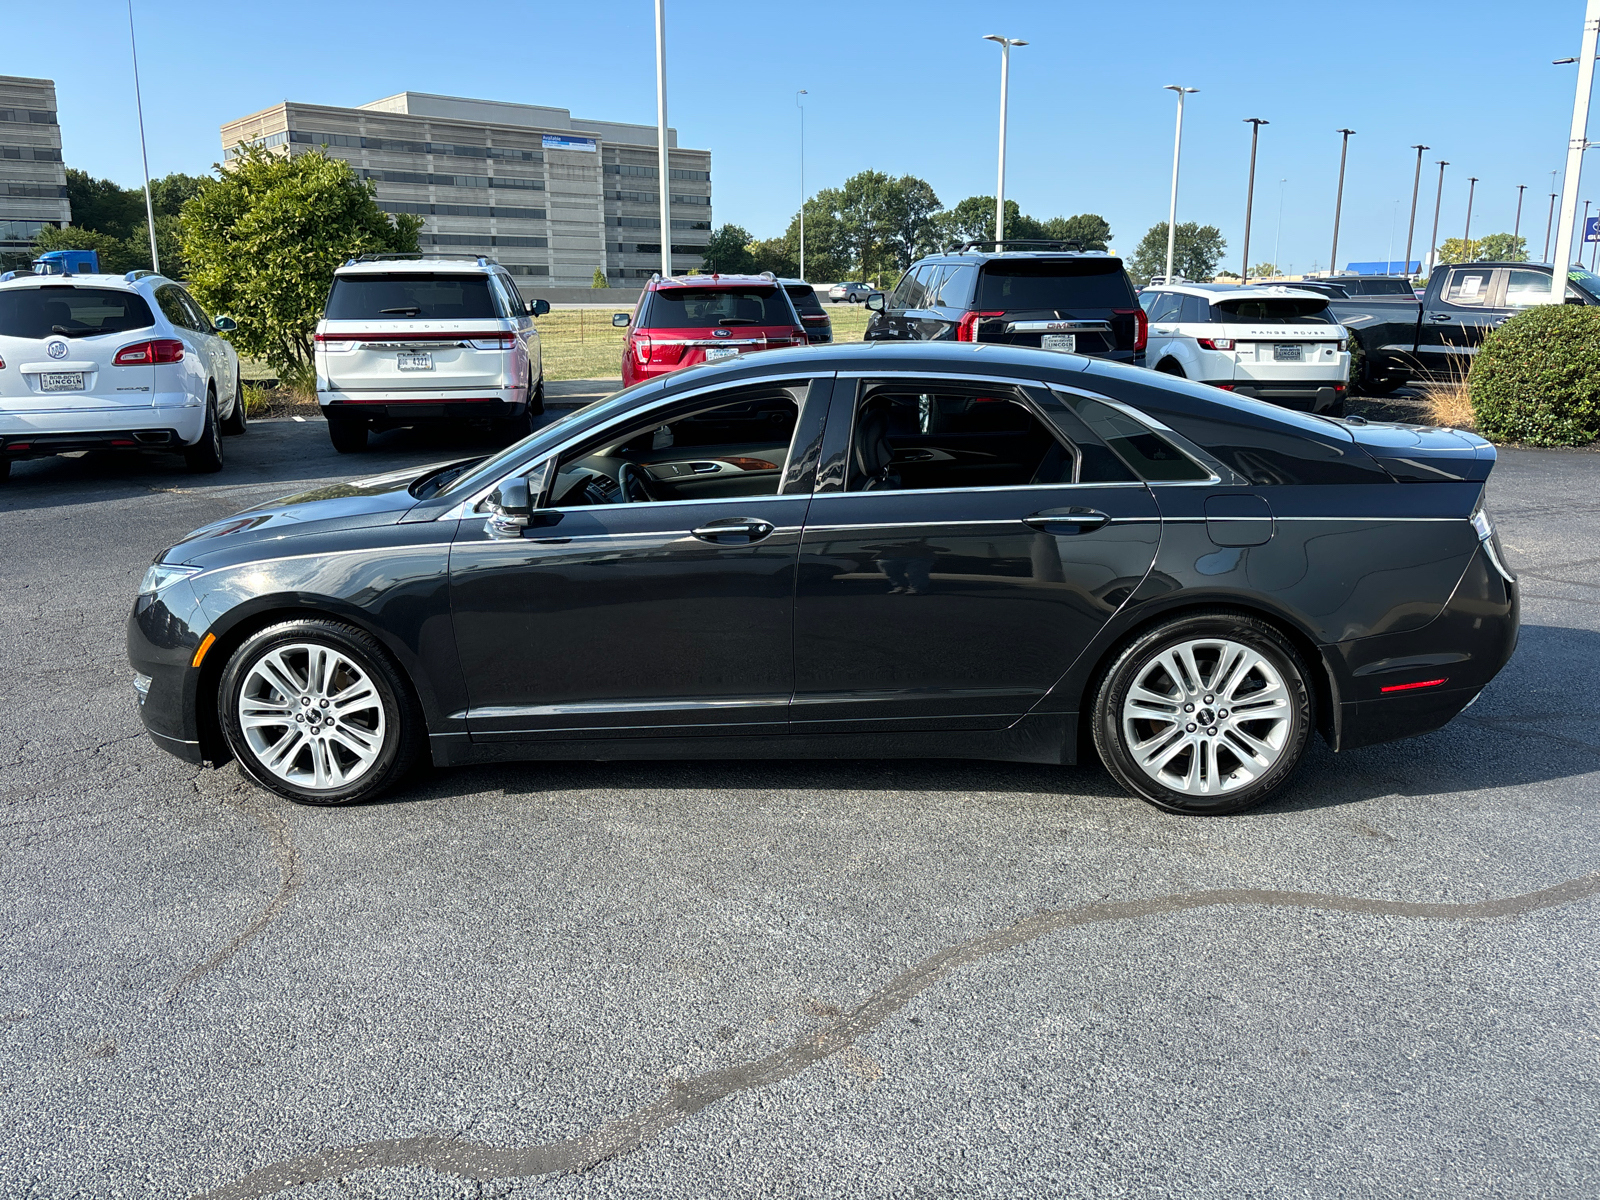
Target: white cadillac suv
(113,362)
(1273,343)
(407,341)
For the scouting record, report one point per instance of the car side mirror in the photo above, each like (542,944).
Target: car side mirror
(509,509)
(224,325)
(538,308)
(621,320)
(875,301)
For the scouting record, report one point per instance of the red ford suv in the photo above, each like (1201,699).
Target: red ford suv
(690,319)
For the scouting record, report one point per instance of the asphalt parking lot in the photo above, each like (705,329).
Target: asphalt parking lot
(873,979)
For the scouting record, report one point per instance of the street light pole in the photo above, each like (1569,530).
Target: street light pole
(1255,124)
(1177,148)
(1277,235)
(138,100)
(661,138)
(1438,199)
(802,108)
(1517,228)
(1577,143)
(1338,204)
(1549,224)
(1416,184)
(1466,233)
(1005,81)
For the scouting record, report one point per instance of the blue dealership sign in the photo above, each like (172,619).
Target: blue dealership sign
(561,141)
(1591,229)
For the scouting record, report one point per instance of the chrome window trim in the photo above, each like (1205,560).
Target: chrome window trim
(998,487)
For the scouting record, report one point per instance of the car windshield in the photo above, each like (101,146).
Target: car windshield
(1385,287)
(38,312)
(1051,284)
(413,295)
(698,308)
(1274,310)
(1587,280)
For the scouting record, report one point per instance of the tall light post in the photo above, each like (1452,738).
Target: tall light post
(1577,143)
(802,108)
(1416,184)
(661,138)
(138,101)
(1438,199)
(1338,203)
(1005,81)
(1177,149)
(1277,236)
(1255,124)
(1516,229)
(1549,224)
(1466,232)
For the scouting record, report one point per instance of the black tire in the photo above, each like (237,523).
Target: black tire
(348,434)
(399,734)
(5,469)
(1336,409)
(238,420)
(205,456)
(1211,774)
(536,399)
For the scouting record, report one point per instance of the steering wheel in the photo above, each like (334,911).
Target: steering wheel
(632,482)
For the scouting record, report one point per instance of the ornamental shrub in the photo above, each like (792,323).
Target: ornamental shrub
(1536,379)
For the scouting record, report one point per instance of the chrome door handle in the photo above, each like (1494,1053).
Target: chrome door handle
(1438,316)
(1067,520)
(734,531)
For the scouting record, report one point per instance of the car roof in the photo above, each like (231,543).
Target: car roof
(388,266)
(1216,292)
(715,280)
(967,256)
(116,282)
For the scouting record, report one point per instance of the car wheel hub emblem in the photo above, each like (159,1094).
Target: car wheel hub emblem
(56,349)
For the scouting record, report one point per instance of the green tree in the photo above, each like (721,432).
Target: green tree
(1265,270)
(778,255)
(912,232)
(728,251)
(866,216)
(1090,231)
(599,280)
(1197,250)
(1494,247)
(103,206)
(263,242)
(168,195)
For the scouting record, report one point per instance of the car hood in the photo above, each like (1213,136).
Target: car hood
(359,503)
(1424,454)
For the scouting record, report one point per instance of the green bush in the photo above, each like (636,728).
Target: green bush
(1536,379)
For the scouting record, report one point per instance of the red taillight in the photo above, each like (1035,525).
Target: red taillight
(967,327)
(1141,325)
(1227,387)
(1212,343)
(2,364)
(144,354)
(1406,687)
(641,348)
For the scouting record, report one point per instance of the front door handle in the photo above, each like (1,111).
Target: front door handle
(1067,520)
(734,531)
(1438,316)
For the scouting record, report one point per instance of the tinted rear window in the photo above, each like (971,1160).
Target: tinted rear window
(70,311)
(805,299)
(698,308)
(1053,284)
(1276,310)
(409,297)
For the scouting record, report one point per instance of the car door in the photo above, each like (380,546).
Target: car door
(522,323)
(1456,322)
(218,352)
(609,617)
(966,542)
(1162,310)
(197,365)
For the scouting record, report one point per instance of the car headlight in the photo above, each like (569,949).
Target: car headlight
(161,575)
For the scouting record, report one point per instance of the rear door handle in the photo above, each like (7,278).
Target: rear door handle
(1438,316)
(734,531)
(1067,520)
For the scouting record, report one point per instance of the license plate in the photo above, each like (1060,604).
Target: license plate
(416,362)
(61,381)
(713,353)
(1282,353)
(1059,341)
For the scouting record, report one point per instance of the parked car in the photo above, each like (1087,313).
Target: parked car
(1072,301)
(849,293)
(114,362)
(819,330)
(1365,285)
(1271,342)
(690,319)
(407,340)
(862,551)
(1402,338)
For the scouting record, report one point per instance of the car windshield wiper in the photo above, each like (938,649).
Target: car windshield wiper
(400,312)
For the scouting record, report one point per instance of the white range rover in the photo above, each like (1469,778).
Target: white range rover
(113,362)
(406,340)
(1274,343)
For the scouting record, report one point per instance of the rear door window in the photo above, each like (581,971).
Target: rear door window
(1166,306)
(1053,284)
(411,296)
(700,308)
(1196,310)
(71,311)
(1468,286)
(954,287)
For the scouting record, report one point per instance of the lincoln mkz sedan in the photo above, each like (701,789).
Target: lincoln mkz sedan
(852,552)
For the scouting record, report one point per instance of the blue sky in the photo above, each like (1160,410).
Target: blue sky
(908,88)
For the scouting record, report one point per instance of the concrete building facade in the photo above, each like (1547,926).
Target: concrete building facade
(549,196)
(33,179)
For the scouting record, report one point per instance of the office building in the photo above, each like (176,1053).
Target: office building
(547,195)
(33,180)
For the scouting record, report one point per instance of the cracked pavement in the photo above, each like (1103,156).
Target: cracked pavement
(873,979)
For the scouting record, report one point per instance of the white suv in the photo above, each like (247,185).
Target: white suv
(406,340)
(1272,343)
(113,362)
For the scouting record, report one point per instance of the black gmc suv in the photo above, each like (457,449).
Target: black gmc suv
(1021,293)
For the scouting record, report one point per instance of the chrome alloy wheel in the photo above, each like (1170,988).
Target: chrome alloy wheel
(311,716)
(1207,717)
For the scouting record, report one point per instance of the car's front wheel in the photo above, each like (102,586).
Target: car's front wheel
(315,711)
(238,420)
(1204,714)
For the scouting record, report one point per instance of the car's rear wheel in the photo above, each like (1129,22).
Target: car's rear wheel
(315,711)
(536,398)
(348,434)
(514,429)
(238,420)
(1170,366)
(1204,714)
(206,455)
